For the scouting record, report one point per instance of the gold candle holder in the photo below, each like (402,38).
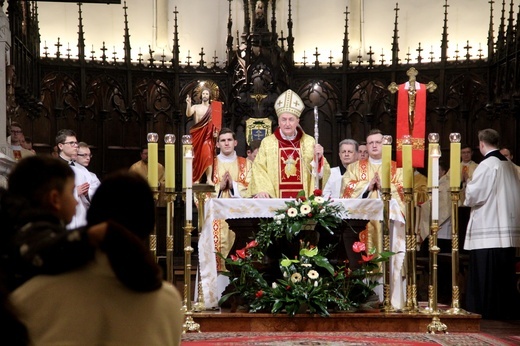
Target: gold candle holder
(189,324)
(152,239)
(455,292)
(387,305)
(170,197)
(411,251)
(201,192)
(435,325)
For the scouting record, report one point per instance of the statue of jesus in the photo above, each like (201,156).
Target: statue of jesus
(202,135)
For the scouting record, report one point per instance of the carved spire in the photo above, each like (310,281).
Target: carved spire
(229,42)
(345,61)
(247,19)
(128,48)
(395,41)
(501,30)
(491,33)
(290,38)
(81,35)
(444,41)
(274,37)
(176,48)
(510,26)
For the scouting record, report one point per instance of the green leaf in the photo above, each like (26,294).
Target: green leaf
(309,252)
(324,263)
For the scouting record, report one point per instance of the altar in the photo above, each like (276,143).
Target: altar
(240,208)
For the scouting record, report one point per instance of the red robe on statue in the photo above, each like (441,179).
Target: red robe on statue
(203,145)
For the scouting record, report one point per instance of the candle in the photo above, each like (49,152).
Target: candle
(455,160)
(387,162)
(169,160)
(189,176)
(186,146)
(434,154)
(153,155)
(430,148)
(407,162)
(435,182)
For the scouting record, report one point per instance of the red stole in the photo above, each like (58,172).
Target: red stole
(290,175)
(419,127)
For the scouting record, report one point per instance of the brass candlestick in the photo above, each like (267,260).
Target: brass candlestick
(189,324)
(170,196)
(387,305)
(201,192)
(153,237)
(411,251)
(455,293)
(436,325)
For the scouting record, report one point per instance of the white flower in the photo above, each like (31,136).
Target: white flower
(296,277)
(316,283)
(306,265)
(323,211)
(285,274)
(319,200)
(274,285)
(305,209)
(278,222)
(312,274)
(281,216)
(292,212)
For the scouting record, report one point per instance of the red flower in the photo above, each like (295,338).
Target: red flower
(309,215)
(358,247)
(251,244)
(234,258)
(318,192)
(303,198)
(259,294)
(367,258)
(287,288)
(241,253)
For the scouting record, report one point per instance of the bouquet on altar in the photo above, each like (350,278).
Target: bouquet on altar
(307,282)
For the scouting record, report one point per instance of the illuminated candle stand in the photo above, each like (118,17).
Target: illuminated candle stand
(153,180)
(170,195)
(411,305)
(189,324)
(455,138)
(387,195)
(436,325)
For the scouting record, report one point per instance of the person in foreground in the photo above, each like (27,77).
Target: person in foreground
(493,232)
(90,306)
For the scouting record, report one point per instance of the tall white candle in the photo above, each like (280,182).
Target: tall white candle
(435,182)
(189,184)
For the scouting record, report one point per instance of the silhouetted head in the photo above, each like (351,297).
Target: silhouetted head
(126,198)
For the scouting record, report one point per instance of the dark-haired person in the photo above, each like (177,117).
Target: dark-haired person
(85,186)
(508,153)
(493,232)
(102,311)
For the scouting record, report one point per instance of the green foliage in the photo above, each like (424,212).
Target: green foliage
(310,282)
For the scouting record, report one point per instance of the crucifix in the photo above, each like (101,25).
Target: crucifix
(412,92)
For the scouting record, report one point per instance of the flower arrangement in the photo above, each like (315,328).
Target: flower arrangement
(301,213)
(308,282)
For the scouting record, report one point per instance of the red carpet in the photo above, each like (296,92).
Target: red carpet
(347,338)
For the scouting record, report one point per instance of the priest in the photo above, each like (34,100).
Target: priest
(288,160)
(363,180)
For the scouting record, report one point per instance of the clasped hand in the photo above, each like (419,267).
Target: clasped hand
(375,183)
(227,182)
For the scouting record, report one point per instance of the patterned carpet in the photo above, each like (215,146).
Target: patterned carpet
(346,338)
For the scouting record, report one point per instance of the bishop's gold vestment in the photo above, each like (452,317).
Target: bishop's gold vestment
(271,167)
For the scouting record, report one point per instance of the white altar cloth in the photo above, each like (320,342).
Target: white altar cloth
(241,208)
